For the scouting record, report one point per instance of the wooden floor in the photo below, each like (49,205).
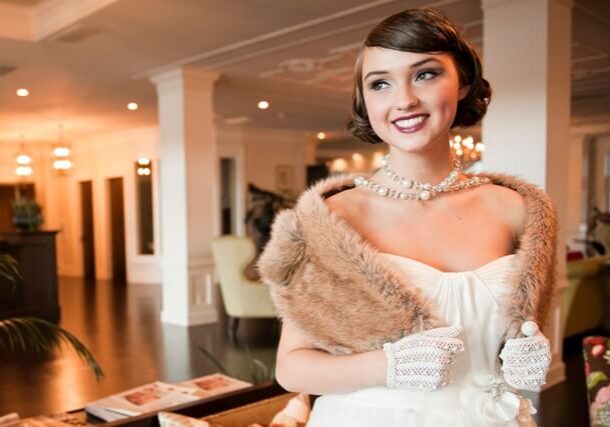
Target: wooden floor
(120,324)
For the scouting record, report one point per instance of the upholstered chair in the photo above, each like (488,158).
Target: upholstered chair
(243,298)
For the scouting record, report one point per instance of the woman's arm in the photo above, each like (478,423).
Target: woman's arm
(301,368)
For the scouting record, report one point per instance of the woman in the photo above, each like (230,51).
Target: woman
(412,297)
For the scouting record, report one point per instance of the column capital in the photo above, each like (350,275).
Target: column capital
(490,4)
(187,75)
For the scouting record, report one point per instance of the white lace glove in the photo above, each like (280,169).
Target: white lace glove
(423,360)
(526,360)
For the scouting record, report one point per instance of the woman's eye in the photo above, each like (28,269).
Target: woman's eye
(426,75)
(378,84)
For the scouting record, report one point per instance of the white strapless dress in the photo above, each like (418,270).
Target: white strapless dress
(477,395)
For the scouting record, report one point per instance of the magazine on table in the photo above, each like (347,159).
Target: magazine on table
(61,419)
(215,384)
(147,398)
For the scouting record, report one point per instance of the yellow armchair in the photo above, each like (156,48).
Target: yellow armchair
(242,297)
(585,302)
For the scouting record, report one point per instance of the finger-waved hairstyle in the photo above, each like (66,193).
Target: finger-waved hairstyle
(420,31)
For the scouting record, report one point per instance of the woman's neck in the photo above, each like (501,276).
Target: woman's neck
(431,166)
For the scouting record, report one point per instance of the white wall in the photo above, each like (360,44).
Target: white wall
(602,148)
(98,159)
(259,151)
(111,155)
(576,189)
(578,172)
(268,148)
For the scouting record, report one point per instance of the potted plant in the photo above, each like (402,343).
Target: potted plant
(26,214)
(30,334)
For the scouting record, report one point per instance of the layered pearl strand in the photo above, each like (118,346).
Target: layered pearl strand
(408,184)
(420,190)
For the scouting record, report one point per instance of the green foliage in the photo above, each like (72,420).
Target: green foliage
(9,269)
(594,378)
(26,214)
(29,334)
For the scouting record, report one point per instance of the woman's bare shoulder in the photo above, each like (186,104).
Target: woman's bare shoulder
(346,202)
(507,204)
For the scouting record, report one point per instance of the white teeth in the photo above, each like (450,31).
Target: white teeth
(410,122)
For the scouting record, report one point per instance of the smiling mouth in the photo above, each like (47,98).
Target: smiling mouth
(410,124)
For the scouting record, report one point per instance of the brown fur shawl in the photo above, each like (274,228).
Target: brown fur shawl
(346,298)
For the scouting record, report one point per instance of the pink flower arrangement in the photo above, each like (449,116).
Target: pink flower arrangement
(601,398)
(595,341)
(598,349)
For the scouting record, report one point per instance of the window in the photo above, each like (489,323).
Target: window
(144,207)
(607,180)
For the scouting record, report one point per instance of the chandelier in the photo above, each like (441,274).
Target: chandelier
(24,164)
(23,160)
(143,166)
(466,150)
(62,162)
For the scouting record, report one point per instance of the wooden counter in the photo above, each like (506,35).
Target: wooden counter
(36,293)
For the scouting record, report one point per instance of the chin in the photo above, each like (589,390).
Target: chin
(411,145)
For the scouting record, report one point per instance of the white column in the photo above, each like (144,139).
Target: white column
(189,202)
(576,192)
(526,131)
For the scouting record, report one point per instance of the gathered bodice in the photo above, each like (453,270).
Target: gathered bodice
(473,299)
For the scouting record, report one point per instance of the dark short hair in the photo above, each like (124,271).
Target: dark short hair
(423,30)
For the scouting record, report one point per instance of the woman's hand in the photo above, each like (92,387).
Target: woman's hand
(423,360)
(526,360)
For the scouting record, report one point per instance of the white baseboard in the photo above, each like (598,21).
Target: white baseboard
(201,316)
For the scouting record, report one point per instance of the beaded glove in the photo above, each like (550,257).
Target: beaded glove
(423,360)
(526,360)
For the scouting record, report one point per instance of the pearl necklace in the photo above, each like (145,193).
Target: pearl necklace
(422,195)
(423,191)
(416,185)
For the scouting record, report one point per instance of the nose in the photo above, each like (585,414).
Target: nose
(406,99)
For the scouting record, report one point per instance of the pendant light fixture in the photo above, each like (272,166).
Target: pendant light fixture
(62,155)
(23,160)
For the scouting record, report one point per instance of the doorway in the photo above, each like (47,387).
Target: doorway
(117,230)
(87,236)
(228,213)
(7,195)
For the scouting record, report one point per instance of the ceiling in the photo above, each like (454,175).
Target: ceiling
(84,61)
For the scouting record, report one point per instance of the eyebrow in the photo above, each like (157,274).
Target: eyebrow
(414,65)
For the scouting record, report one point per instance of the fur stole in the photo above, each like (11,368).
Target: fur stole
(346,298)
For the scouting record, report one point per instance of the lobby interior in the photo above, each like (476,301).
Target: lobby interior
(172,111)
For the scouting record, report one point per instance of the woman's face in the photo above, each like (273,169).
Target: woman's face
(411,98)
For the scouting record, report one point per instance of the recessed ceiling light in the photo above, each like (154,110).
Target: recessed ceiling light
(321,136)
(263,105)
(23,92)
(132,106)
